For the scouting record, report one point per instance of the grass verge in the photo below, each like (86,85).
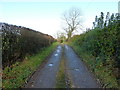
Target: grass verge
(104,74)
(61,82)
(17,75)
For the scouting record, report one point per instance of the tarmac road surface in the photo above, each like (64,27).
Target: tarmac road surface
(76,71)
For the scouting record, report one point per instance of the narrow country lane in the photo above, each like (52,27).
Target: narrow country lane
(75,71)
(78,73)
(46,77)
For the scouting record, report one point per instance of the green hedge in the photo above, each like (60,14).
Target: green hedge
(102,46)
(17,42)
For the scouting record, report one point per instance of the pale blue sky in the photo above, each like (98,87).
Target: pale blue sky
(46,16)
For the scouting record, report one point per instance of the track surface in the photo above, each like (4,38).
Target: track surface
(76,71)
(46,77)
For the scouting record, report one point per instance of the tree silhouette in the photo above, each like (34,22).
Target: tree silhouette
(72,20)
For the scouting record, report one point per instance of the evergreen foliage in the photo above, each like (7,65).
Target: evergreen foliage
(17,42)
(102,42)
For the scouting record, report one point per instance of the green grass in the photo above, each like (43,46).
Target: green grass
(61,76)
(16,75)
(103,73)
(61,82)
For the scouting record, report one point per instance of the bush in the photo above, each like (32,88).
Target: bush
(104,45)
(17,42)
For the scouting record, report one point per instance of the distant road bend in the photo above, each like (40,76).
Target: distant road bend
(76,70)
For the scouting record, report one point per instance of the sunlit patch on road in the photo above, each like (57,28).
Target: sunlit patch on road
(56,54)
(32,85)
(66,47)
(58,51)
(76,69)
(50,65)
(59,47)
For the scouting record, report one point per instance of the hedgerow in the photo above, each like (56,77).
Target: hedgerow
(17,42)
(102,45)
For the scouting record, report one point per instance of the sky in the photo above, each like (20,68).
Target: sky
(45,15)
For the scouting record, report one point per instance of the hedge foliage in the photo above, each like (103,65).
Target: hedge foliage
(17,42)
(102,42)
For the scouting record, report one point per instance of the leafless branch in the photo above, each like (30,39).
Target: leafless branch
(72,19)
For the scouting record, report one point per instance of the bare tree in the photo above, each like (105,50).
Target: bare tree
(72,20)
